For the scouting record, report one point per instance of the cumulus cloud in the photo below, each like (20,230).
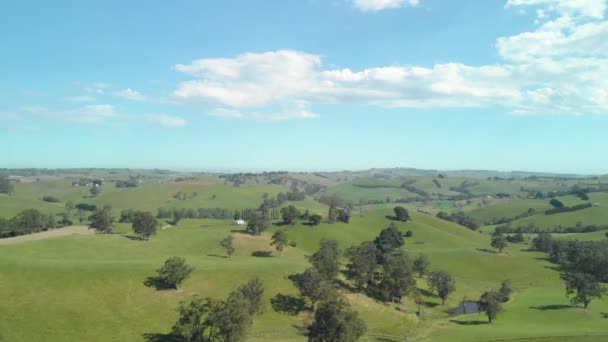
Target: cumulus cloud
(379,5)
(166,120)
(131,94)
(558,68)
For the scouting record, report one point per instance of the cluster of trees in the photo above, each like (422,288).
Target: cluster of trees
(383,270)
(26,222)
(293,195)
(6,186)
(102,220)
(184,196)
(568,209)
(460,218)
(559,229)
(463,187)
(575,190)
(411,188)
(208,319)
(130,183)
(585,264)
(176,214)
(334,319)
(337,214)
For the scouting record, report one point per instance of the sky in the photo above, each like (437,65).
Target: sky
(305,85)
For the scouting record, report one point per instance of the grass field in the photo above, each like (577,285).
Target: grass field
(90,287)
(96,283)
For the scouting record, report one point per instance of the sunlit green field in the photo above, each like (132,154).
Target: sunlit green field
(95,283)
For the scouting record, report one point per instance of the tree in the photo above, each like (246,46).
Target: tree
(144,224)
(421,265)
(312,285)
(174,272)
(332,215)
(556,203)
(543,242)
(95,190)
(336,321)
(326,260)
(231,320)
(389,239)
(102,220)
(490,303)
(6,186)
(505,291)
(190,325)
(401,213)
(584,287)
(290,214)
(499,241)
(253,291)
(443,283)
(258,222)
(315,219)
(280,240)
(396,278)
(226,243)
(29,220)
(362,263)
(51,222)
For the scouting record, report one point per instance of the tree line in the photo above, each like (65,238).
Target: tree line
(584,264)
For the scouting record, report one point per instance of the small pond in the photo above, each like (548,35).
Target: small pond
(465,308)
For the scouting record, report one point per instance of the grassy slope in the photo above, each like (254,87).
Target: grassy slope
(95,283)
(148,196)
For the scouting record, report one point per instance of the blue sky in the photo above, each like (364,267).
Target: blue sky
(305,84)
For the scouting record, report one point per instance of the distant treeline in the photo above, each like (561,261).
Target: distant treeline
(568,209)
(532,228)
(177,214)
(460,218)
(126,183)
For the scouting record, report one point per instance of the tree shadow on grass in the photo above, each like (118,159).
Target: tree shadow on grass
(287,304)
(217,256)
(427,293)
(552,307)
(430,304)
(132,237)
(155,337)
(604,314)
(468,322)
(487,250)
(262,254)
(158,283)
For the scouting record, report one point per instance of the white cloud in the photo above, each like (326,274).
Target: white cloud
(588,8)
(97,88)
(379,5)
(166,120)
(84,98)
(558,68)
(131,94)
